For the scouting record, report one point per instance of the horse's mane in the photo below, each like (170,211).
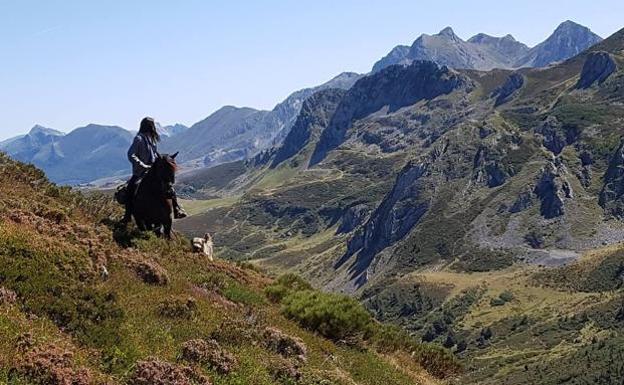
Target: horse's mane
(171,163)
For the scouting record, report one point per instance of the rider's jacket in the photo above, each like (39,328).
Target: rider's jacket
(142,154)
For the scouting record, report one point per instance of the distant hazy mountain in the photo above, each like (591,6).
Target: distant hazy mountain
(85,154)
(484,52)
(234,133)
(172,130)
(25,147)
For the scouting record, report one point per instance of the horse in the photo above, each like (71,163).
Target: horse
(152,206)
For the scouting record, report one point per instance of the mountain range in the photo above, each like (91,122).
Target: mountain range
(480,210)
(484,52)
(235,133)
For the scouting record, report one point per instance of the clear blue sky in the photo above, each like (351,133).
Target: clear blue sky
(67,63)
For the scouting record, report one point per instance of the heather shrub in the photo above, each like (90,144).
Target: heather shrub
(175,307)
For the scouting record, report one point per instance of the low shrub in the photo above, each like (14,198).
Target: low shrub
(156,372)
(285,371)
(209,352)
(502,299)
(283,344)
(285,285)
(237,332)
(51,365)
(56,280)
(334,316)
(152,273)
(178,307)
(7,296)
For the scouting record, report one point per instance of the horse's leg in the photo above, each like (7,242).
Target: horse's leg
(168,223)
(140,222)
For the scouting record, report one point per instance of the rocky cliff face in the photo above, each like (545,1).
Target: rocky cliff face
(313,118)
(597,68)
(394,87)
(612,194)
(397,214)
(398,55)
(514,82)
(552,189)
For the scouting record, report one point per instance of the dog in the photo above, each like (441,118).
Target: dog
(203,245)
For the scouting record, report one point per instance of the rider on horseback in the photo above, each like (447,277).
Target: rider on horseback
(142,154)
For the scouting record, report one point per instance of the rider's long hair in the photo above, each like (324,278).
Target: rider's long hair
(148,128)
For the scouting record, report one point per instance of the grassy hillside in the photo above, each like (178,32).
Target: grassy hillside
(82,302)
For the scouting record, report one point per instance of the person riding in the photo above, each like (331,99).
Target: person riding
(142,154)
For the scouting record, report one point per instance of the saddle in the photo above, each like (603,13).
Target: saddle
(122,193)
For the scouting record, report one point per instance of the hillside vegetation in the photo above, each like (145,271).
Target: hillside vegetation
(84,302)
(479,211)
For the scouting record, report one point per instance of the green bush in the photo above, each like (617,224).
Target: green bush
(285,285)
(506,296)
(502,299)
(334,316)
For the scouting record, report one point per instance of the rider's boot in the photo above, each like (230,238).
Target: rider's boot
(178,211)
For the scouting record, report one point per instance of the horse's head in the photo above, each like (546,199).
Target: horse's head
(165,168)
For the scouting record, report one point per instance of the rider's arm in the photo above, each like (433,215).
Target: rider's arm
(139,152)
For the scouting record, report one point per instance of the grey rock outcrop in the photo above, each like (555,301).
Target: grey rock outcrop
(352,218)
(487,168)
(552,133)
(504,93)
(315,115)
(394,87)
(522,202)
(552,190)
(398,55)
(597,68)
(612,195)
(397,214)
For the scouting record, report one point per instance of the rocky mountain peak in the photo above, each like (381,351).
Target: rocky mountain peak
(568,40)
(485,52)
(38,130)
(448,32)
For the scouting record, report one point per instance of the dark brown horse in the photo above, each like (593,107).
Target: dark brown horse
(153,202)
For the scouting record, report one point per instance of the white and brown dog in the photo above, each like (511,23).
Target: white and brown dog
(203,245)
